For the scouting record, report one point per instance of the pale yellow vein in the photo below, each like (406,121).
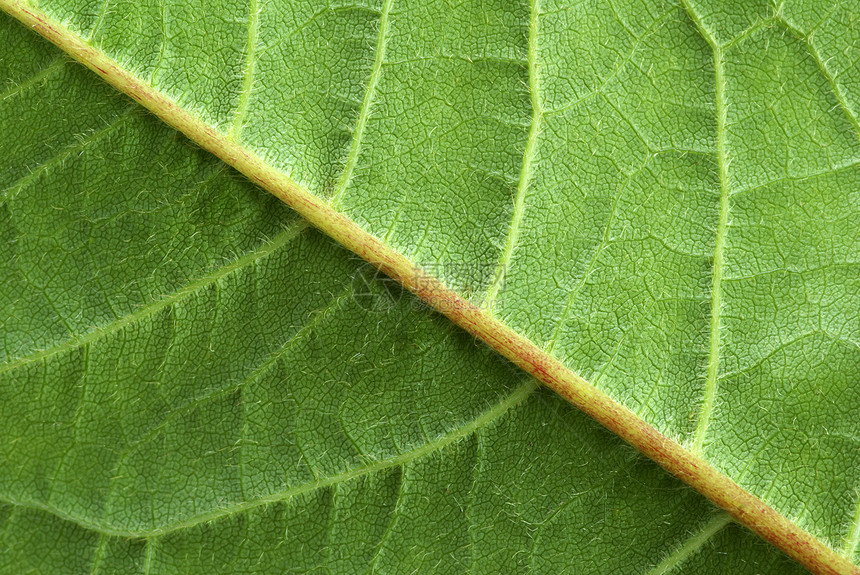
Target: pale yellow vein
(528,161)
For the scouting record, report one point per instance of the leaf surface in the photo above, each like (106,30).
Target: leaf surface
(668,190)
(228,390)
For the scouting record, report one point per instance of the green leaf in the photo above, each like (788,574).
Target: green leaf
(195,381)
(659,195)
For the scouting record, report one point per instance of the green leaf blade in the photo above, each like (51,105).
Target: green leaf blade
(640,154)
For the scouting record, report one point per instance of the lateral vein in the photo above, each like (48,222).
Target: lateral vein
(55,65)
(9,193)
(369,94)
(709,396)
(692,545)
(528,160)
(852,540)
(250,68)
(318,316)
(76,342)
(515,398)
(825,72)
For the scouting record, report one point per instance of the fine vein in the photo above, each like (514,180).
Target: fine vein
(369,94)
(528,159)
(392,521)
(102,13)
(250,64)
(574,293)
(98,556)
(692,545)
(708,399)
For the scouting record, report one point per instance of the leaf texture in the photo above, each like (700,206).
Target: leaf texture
(192,383)
(661,195)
